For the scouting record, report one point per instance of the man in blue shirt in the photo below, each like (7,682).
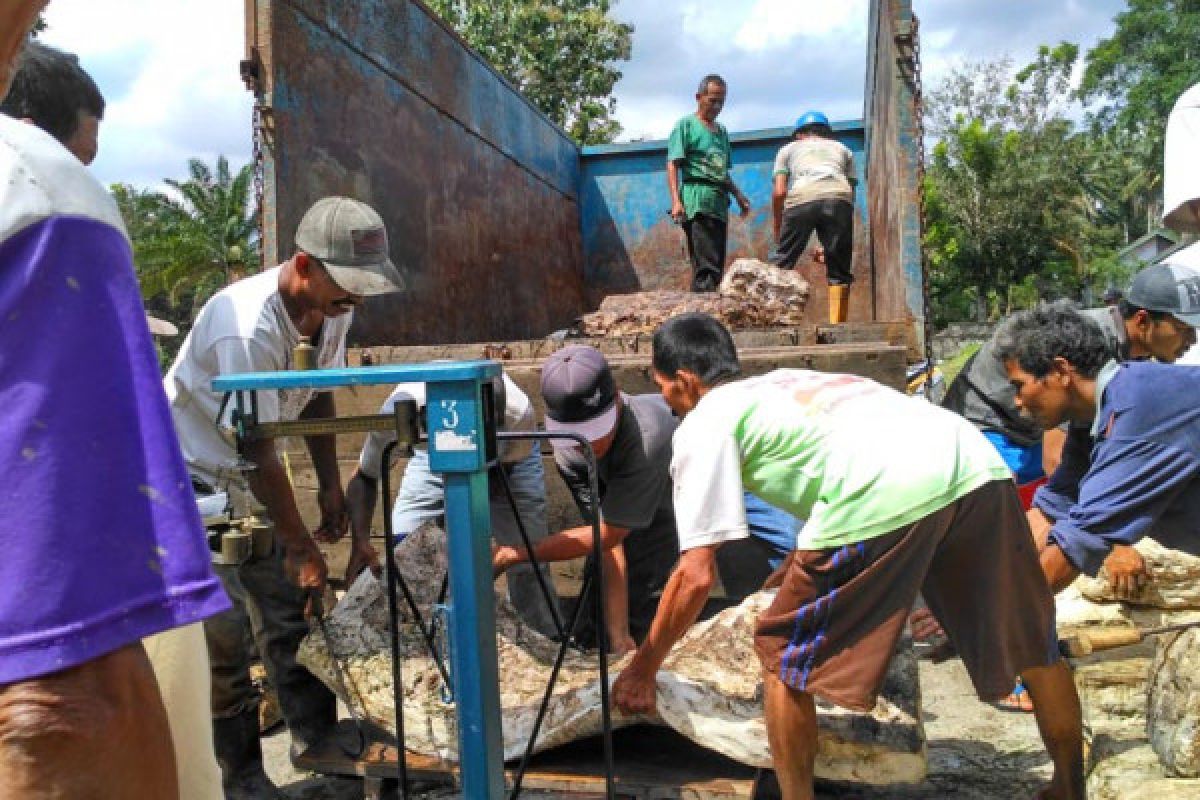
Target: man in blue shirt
(1135,469)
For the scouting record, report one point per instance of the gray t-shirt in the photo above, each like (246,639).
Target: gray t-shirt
(982,393)
(634,476)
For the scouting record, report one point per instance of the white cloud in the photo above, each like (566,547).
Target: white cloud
(169,71)
(775,23)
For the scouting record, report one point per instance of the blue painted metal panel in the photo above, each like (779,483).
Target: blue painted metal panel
(629,241)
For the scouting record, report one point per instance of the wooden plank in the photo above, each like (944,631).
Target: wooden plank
(651,763)
(892,333)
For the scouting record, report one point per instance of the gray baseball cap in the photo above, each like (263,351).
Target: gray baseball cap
(1169,288)
(349,238)
(580,394)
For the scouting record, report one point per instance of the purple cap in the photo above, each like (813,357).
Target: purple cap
(580,395)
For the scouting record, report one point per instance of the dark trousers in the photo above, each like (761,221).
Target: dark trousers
(269,608)
(706,237)
(833,220)
(650,555)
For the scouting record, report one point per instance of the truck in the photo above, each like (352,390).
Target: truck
(507,231)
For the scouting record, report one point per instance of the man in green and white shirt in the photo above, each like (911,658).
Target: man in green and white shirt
(900,496)
(698,162)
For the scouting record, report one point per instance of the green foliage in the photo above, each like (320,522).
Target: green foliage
(1136,74)
(954,364)
(560,54)
(1022,205)
(188,246)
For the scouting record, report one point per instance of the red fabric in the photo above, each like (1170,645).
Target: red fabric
(1026,491)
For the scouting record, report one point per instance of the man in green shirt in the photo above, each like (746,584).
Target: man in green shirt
(881,525)
(698,161)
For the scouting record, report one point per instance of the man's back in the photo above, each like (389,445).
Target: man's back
(850,456)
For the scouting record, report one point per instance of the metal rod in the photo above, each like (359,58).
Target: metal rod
(601,623)
(324,426)
(389,544)
(519,775)
(533,562)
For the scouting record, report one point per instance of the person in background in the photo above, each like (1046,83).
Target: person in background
(422,497)
(814,191)
(53,92)
(699,160)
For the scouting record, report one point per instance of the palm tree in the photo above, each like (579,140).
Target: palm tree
(190,243)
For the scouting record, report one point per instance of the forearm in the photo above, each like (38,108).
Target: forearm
(361,495)
(616,595)
(777,214)
(323,449)
(673,183)
(574,543)
(269,483)
(682,601)
(1058,570)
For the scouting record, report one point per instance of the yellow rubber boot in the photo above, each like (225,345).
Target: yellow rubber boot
(839,298)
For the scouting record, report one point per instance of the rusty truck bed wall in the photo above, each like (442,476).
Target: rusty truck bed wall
(507,230)
(630,244)
(893,149)
(377,99)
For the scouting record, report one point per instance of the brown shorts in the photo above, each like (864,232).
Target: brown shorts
(835,621)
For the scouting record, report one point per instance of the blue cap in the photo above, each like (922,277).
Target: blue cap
(809,118)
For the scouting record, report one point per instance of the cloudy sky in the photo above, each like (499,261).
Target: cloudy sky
(169,68)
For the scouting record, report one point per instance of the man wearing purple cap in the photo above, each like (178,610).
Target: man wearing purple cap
(254,325)
(631,438)
(103,545)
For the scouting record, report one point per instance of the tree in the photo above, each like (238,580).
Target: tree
(561,54)
(1009,213)
(1136,75)
(186,247)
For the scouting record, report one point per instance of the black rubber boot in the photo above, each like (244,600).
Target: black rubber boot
(239,752)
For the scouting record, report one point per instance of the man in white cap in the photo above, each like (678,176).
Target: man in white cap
(254,325)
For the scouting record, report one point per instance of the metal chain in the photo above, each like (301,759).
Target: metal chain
(912,70)
(258,123)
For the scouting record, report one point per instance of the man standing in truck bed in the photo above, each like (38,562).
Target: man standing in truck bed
(698,161)
(814,191)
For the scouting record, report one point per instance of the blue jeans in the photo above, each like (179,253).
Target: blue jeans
(422,499)
(745,564)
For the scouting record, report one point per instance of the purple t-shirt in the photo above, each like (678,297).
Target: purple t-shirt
(100,540)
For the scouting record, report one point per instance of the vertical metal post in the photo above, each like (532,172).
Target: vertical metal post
(457,450)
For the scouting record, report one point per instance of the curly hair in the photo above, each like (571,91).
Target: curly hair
(1036,337)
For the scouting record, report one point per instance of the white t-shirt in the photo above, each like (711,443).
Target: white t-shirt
(242,328)
(518,417)
(1181,163)
(853,458)
(816,168)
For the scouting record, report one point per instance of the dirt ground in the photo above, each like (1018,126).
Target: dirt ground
(976,752)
